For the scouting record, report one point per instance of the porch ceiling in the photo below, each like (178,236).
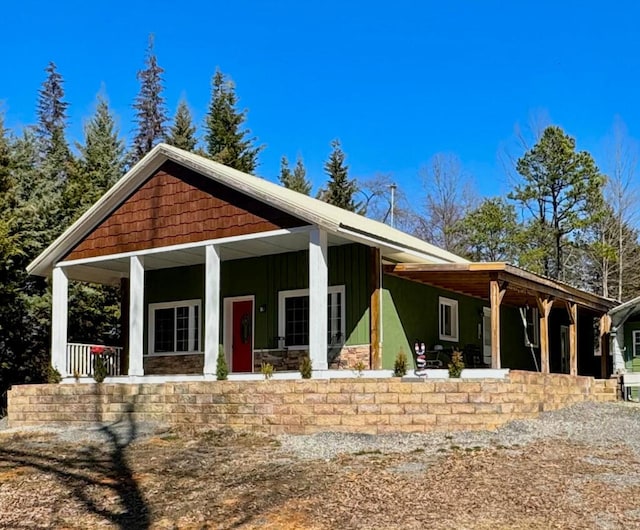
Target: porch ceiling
(111,269)
(522,287)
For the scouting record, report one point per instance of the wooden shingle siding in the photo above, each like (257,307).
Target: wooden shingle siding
(177,206)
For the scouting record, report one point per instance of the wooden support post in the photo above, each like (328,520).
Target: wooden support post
(572,309)
(496,294)
(544,308)
(375,326)
(605,328)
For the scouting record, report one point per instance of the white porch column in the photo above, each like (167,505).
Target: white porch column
(318,293)
(59,320)
(211,309)
(618,348)
(136,315)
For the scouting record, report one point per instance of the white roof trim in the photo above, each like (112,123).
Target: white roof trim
(331,218)
(621,313)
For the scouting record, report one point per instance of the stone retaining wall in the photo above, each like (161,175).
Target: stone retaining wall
(308,406)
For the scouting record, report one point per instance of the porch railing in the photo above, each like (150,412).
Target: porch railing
(80,359)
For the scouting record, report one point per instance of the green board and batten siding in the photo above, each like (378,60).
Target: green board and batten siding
(410,311)
(264,277)
(632,324)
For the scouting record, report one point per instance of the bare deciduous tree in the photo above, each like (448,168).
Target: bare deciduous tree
(449,196)
(623,198)
(375,197)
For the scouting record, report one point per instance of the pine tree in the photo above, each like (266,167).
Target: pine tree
(25,229)
(562,191)
(299,180)
(101,162)
(52,122)
(226,141)
(182,133)
(51,109)
(340,189)
(149,105)
(286,175)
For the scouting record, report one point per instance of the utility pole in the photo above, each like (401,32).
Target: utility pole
(393,202)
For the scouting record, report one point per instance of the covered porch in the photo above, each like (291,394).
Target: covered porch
(202,310)
(562,316)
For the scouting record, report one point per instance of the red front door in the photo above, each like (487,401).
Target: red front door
(242,349)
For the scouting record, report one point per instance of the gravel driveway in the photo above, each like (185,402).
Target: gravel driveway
(602,424)
(577,468)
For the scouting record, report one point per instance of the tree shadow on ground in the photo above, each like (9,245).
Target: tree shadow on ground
(95,474)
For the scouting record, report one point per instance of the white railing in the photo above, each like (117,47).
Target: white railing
(80,359)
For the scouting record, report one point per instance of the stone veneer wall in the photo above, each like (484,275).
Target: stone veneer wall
(173,364)
(307,406)
(289,360)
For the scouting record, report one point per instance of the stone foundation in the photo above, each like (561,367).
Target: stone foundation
(306,406)
(173,364)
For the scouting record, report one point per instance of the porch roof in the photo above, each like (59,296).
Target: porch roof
(396,246)
(522,287)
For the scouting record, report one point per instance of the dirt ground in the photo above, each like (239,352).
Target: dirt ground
(177,479)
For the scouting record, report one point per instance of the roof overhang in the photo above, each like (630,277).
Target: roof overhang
(522,287)
(622,312)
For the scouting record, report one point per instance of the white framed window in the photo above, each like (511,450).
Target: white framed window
(532,337)
(293,317)
(636,343)
(448,311)
(174,327)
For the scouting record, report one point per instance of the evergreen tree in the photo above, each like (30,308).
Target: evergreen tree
(299,180)
(562,192)
(295,180)
(226,140)
(182,133)
(286,175)
(24,231)
(491,233)
(340,189)
(50,130)
(149,105)
(51,110)
(101,162)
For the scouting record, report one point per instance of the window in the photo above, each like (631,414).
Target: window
(448,319)
(293,317)
(174,327)
(636,343)
(533,327)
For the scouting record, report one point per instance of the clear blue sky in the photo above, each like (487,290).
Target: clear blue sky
(396,81)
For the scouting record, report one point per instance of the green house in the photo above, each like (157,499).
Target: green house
(211,261)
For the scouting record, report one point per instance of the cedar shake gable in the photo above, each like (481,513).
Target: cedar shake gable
(175,206)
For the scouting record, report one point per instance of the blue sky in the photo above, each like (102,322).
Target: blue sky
(397,81)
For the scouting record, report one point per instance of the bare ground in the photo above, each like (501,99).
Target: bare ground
(215,479)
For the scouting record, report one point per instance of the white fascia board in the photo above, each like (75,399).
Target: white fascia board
(372,241)
(186,246)
(42,265)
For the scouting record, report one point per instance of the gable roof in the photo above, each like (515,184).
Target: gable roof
(622,312)
(399,245)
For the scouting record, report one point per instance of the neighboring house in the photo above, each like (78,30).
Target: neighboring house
(210,259)
(625,336)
